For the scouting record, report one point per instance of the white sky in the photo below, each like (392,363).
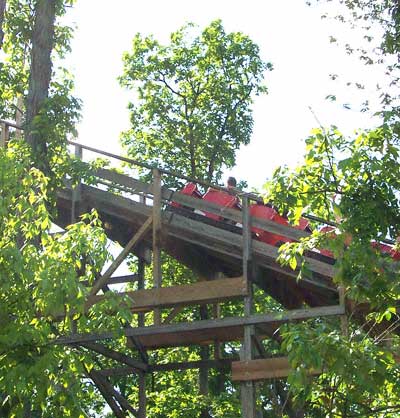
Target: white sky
(290,35)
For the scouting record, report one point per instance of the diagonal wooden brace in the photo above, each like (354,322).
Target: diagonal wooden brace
(121,257)
(107,395)
(115,355)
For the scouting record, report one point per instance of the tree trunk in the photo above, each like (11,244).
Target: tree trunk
(40,72)
(2,11)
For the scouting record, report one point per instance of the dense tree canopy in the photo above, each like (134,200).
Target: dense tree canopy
(193,98)
(352,180)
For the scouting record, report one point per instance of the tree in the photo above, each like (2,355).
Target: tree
(351,180)
(354,180)
(2,10)
(42,278)
(377,26)
(193,99)
(40,71)
(33,38)
(192,113)
(42,289)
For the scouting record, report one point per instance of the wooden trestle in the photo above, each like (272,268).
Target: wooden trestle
(226,258)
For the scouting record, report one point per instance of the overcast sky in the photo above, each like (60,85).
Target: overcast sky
(291,36)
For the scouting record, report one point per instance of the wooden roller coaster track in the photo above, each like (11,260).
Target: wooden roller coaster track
(225,256)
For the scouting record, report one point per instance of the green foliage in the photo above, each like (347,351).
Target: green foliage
(57,118)
(41,291)
(352,181)
(193,99)
(376,43)
(358,376)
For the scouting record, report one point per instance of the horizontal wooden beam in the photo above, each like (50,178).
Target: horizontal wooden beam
(191,294)
(274,319)
(270,368)
(186,365)
(117,280)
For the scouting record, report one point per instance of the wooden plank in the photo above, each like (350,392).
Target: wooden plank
(140,274)
(248,299)
(182,295)
(19,115)
(343,319)
(224,364)
(121,257)
(258,345)
(274,319)
(136,186)
(129,278)
(271,368)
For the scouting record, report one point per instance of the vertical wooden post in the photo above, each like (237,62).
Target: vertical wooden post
(4,135)
(140,286)
(247,389)
(76,192)
(157,237)
(203,370)
(343,318)
(218,353)
(142,395)
(18,115)
(141,272)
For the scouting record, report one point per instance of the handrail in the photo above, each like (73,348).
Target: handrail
(233,191)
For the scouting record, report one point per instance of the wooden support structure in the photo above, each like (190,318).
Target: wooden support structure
(247,388)
(76,192)
(223,364)
(129,278)
(269,368)
(192,294)
(18,116)
(121,257)
(115,355)
(258,345)
(4,135)
(140,274)
(157,238)
(194,329)
(107,395)
(209,248)
(173,314)
(343,318)
(142,396)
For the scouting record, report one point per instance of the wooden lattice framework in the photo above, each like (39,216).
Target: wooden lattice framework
(227,258)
